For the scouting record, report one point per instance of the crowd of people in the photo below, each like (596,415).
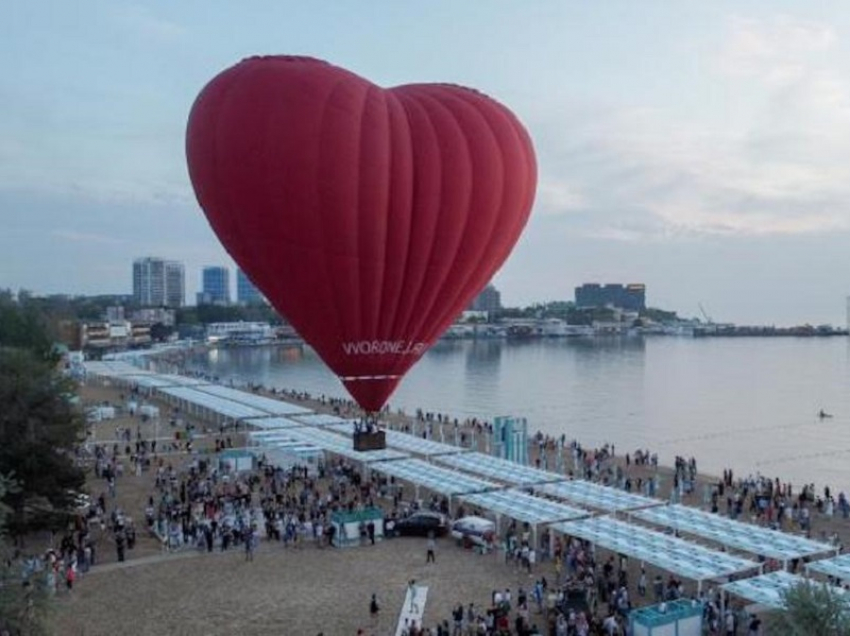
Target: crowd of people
(200,505)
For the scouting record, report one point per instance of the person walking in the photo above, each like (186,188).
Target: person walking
(411,590)
(249,543)
(70,576)
(374,609)
(430,556)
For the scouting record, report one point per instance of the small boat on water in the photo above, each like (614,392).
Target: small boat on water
(824,415)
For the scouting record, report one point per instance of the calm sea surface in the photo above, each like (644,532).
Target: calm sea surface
(746,403)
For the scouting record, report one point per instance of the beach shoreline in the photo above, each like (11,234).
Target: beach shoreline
(471,576)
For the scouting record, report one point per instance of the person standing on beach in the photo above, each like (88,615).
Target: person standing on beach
(249,543)
(374,609)
(430,556)
(411,590)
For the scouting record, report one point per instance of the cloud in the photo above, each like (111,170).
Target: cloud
(557,197)
(772,157)
(142,22)
(85,237)
(776,50)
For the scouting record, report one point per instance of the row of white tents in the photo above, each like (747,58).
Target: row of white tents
(506,489)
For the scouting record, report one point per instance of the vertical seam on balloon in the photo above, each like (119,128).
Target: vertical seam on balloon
(427,318)
(380,333)
(410,314)
(363,308)
(235,228)
(523,144)
(393,317)
(331,297)
(462,289)
(494,228)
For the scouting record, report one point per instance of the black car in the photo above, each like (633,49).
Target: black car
(419,524)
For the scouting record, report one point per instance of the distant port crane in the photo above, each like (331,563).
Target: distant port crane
(704,314)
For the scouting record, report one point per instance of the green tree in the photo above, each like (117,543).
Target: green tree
(160,332)
(23,599)
(811,608)
(23,325)
(39,430)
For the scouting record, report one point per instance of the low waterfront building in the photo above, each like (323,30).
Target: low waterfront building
(240,333)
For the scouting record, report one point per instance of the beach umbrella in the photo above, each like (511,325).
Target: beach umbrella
(369,217)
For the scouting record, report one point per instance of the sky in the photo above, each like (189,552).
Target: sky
(701,148)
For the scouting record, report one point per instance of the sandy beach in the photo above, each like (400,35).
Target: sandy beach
(288,591)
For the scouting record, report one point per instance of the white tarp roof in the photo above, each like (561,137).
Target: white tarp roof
(596,496)
(499,469)
(265,404)
(222,406)
(113,368)
(405,441)
(274,423)
(771,544)
(440,480)
(664,551)
(155,381)
(320,419)
(258,437)
(837,566)
(524,507)
(339,445)
(282,444)
(768,589)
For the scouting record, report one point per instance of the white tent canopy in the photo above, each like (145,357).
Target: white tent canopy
(838,567)
(596,496)
(320,419)
(440,480)
(772,544)
(262,403)
(499,469)
(664,551)
(768,589)
(339,445)
(156,381)
(113,368)
(524,507)
(405,441)
(260,437)
(273,423)
(196,401)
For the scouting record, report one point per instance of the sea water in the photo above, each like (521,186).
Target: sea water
(750,404)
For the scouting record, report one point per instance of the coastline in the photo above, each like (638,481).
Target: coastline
(175,360)
(304,572)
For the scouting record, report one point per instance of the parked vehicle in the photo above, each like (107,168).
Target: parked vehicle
(419,524)
(475,530)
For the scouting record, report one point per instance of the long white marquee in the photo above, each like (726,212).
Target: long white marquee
(524,507)
(769,589)
(596,496)
(499,469)
(771,544)
(669,553)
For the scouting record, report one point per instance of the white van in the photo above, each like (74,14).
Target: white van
(476,530)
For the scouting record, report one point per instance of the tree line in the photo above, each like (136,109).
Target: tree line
(41,426)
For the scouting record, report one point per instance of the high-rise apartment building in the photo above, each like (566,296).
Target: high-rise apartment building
(490,299)
(158,283)
(175,284)
(215,286)
(246,292)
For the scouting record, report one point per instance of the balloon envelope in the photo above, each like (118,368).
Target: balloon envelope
(369,217)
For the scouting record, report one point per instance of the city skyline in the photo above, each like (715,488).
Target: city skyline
(701,149)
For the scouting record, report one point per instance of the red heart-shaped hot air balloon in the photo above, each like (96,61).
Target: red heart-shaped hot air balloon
(369,217)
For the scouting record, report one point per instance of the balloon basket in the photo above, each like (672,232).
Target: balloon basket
(376,440)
